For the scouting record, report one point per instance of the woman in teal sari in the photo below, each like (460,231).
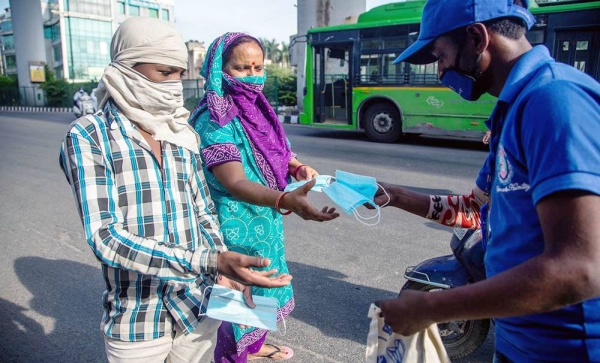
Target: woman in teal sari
(248,162)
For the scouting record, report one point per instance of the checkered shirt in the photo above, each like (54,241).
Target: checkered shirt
(154,230)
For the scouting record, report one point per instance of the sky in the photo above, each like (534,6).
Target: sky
(271,19)
(205,20)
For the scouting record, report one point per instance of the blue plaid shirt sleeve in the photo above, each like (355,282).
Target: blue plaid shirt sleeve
(100,206)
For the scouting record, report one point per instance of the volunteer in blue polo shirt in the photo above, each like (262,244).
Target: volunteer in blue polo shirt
(543,235)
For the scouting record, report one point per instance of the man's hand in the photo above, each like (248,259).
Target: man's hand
(406,314)
(234,285)
(236,266)
(487,137)
(383,196)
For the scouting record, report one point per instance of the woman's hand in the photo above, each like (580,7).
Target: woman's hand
(305,172)
(297,202)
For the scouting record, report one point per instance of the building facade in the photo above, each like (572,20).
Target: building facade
(8,59)
(77,33)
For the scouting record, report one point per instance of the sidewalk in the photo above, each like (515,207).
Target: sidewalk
(35,109)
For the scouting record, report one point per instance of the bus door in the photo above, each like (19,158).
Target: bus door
(332,87)
(576,48)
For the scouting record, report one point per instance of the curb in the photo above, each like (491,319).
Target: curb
(293,119)
(35,109)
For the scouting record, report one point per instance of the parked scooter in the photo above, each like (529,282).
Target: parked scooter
(463,267)
(85,106)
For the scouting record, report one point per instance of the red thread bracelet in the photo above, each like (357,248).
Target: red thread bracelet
(278,207)
(296,170)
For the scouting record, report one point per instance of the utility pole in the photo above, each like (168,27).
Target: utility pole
(30,48)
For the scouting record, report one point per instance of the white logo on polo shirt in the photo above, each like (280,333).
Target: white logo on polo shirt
(505,174)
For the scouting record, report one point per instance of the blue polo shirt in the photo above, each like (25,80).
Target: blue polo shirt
(546,124)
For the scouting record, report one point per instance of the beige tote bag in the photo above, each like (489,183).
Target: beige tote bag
(385,346)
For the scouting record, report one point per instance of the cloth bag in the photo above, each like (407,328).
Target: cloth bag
(385,346)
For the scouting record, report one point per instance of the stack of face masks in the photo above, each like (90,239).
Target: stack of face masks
(348,191)
(229,305)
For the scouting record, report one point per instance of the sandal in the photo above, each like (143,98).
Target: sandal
(288,353)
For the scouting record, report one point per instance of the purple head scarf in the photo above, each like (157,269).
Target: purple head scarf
(226,98)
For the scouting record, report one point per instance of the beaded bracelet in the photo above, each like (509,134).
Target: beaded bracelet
(296,170)
(278,207)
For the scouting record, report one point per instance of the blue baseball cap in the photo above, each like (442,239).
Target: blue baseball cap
(442,16)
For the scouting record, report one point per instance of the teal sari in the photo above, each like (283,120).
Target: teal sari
(249,229)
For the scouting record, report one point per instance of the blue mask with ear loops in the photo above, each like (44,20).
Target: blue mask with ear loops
(348,191)
(229,305)
(323,181)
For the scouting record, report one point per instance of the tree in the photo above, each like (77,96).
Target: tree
(56,90)
(9,91)
(282,91)
(271,48)
(285,54)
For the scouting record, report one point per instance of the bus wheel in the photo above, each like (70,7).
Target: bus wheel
(382,123)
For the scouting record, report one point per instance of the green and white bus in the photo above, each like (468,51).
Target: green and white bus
(351,82)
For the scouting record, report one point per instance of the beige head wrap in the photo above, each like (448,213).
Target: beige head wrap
(157,107)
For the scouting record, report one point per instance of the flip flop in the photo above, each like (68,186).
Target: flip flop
(289,353)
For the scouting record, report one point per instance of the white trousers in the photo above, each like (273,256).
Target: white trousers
(196,347)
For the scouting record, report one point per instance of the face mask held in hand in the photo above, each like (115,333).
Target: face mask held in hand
(348,191)
(229,305)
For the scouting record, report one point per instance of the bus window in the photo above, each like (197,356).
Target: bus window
(424,74)
(379,69)
(377,53)
(536,37)
(572,48)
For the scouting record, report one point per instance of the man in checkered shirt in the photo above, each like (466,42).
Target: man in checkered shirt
(136,174)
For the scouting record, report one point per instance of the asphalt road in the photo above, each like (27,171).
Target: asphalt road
(50,305)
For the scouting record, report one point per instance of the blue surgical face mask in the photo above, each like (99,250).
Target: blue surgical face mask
(350,191)
(323,181)
(229,305)
(461,82)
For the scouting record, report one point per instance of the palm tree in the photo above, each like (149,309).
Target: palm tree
(285,54)
(271,48)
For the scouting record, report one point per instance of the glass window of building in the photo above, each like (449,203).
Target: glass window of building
(58,72)
(8,41)
(6,26)
(92,7)
(87,43)
(11,61)
(134,10)
(165,14)
(52,32)
(153,13)
(120,7)
(57,52)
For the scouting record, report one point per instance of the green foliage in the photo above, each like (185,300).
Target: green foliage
(56,90)
(59,92)
(7,81)
(191,103)
(9,91)
(280,88)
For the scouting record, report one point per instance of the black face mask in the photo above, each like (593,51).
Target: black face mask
(461,82)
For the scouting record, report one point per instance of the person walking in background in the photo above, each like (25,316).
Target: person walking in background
(248,163)
(137,178)
(543,235)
